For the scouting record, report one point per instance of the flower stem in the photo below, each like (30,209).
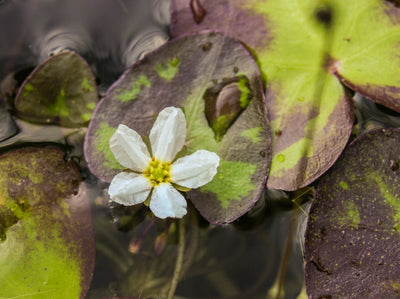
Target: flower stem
(179,260)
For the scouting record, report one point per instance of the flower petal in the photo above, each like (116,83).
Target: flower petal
(168,134)
(129,188)
(166,201)
(195,170)
(129,149)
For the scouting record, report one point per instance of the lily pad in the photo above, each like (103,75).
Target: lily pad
(47,244)
(192,72)
(62,90)
(353,233)
(304,50)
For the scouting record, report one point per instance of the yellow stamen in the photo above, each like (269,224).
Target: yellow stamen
(158,172)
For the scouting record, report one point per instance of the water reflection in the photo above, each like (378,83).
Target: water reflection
(370,115)
(161,12)
(143,43)
(58,40)
(111,35)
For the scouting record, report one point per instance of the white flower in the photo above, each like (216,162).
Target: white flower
(155,174)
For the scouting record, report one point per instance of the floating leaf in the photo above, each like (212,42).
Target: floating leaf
(46,232)
(61,90)
(304,51)
(353,234)
(196,64)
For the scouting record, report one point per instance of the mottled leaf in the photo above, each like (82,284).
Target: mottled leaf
(61,90)
(47,245)
(353,233)
(304,49)
(183,74)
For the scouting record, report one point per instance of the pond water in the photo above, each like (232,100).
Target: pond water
(257,256)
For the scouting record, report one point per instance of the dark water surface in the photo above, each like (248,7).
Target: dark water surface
(110,35)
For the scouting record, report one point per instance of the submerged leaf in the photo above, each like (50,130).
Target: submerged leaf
(61,90)
(46,232)
(202,63)
(353,232)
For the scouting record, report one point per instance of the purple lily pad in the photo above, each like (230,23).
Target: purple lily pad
(216,82)
(353,233)
(62,90)
(46,231)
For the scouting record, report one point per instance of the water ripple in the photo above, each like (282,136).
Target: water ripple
(142,44)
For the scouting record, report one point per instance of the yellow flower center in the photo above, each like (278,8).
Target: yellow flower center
(158,172)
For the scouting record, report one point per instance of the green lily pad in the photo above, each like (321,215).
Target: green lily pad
(353,233)
(47,244)
(192,72)
(306,50)
(62,90)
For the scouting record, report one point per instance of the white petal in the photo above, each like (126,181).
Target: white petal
(129,149)
(168,134)
(195,170)
(166,201)
(129,188)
